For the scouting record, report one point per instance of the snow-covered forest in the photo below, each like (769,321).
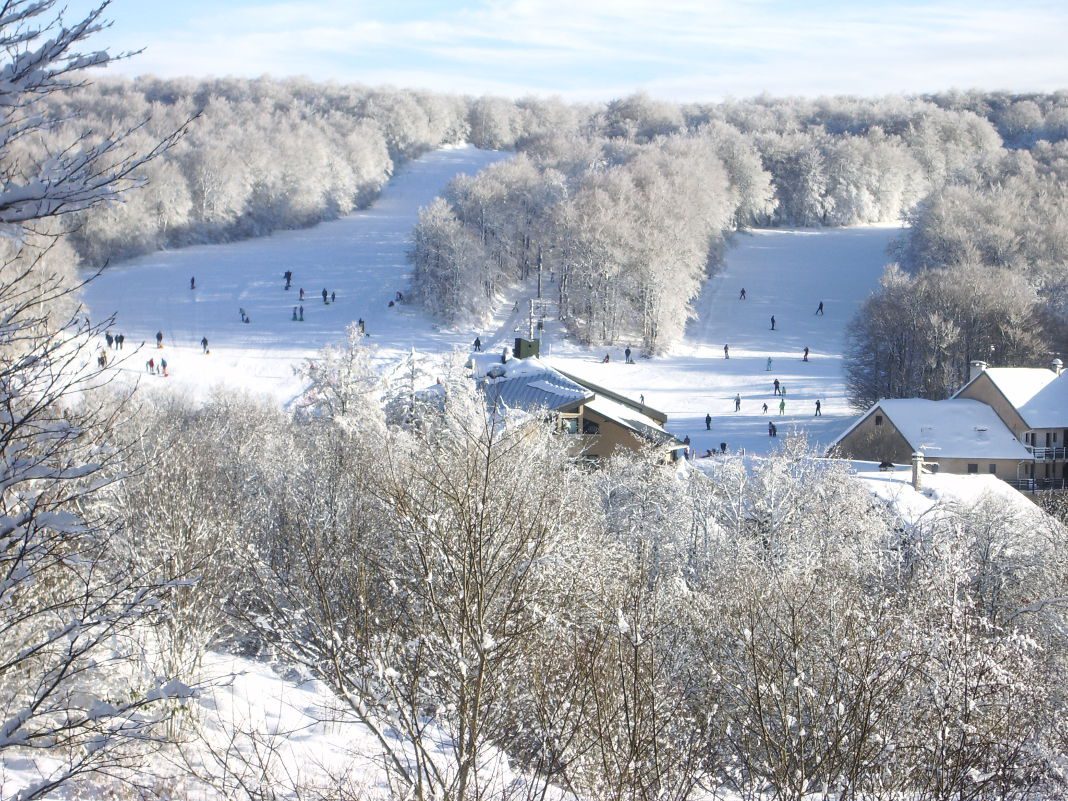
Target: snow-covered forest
(631,204)
(487,617)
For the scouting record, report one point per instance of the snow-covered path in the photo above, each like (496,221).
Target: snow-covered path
(361,257)
(786,273)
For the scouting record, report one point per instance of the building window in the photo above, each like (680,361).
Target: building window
(569,424)
(973,468)
(992,469)
(878,419)
(590,427)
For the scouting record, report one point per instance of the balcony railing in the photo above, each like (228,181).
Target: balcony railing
(1048,454)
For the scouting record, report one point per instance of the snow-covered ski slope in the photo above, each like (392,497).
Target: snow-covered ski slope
(786,273)
(361,257)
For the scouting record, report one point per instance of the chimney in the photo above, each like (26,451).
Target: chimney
(1056,365)
(917,471)
(976,368)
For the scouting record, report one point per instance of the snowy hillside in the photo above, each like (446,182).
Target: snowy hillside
(360,257)
(786,273)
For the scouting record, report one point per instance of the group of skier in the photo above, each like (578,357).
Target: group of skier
(778,387)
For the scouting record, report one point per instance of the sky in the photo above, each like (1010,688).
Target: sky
(685,50)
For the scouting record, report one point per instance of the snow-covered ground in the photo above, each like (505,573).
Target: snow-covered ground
(361,257)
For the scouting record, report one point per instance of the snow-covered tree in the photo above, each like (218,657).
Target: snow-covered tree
(73,700)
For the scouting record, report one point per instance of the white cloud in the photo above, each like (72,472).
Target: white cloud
(599,49)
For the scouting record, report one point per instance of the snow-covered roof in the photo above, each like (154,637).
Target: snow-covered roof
(527,384)
(940,491)
(1038,394)
(626,416)
(950,429)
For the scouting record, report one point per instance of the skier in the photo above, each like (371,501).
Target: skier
(737,403)
(193,282)
(478,342)
(400,296)
(242,313)
(819,413)
(302,314)
(204,344)
(294,314)
(708,422)
(607,358)
(626,354)
(726,351)
(248,319)
(363,326)
(288,275)
(159,339)
(805,359)
(302,294)
(163,366)
(782,406)
(775,384)
(765,408)
(150,366)
(333,297)
(741,295)
(641,399)
(773,322)
(391,304)
(120,339)
(768,368)
(782,390)
(326,295)
(723,447)
(109,339)
(771,429)
(819,309)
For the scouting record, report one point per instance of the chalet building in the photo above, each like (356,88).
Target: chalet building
(1033,404)
(600,421)
(1008,421)
(954,436)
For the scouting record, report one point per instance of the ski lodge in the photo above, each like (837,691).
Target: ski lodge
(599,422)
(1011,422)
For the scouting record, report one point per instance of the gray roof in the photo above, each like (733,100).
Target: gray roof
(529,391)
